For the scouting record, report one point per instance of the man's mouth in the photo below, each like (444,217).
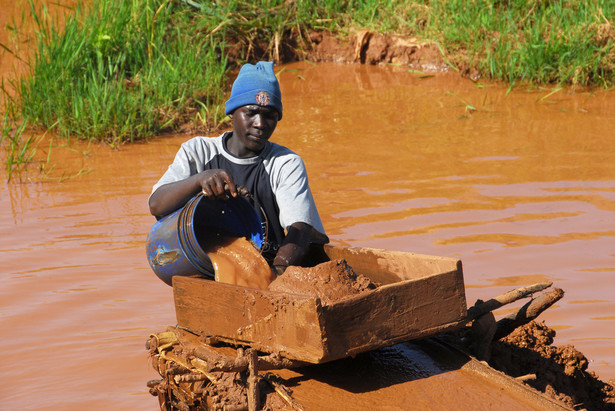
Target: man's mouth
(256,137)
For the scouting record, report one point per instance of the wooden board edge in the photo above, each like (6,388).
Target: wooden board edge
(297,309)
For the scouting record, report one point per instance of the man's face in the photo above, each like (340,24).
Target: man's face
(252,127)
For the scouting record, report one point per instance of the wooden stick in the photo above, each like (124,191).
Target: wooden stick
(483,307)
(283,392)
(193,377)
(171,357)
(527,377)
(527,313)
(252,355)
(217,362)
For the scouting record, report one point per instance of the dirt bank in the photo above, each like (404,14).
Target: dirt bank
(362,46)
(368,47)
(559,372)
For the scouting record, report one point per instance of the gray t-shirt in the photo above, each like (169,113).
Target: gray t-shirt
(276,178)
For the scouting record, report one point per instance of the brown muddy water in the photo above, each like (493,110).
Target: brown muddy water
(521,189)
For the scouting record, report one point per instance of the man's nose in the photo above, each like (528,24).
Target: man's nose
(259,121)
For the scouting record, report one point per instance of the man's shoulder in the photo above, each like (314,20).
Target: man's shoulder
(278,151)
(282,162)
(202,141)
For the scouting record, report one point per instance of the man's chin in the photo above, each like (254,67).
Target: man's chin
(257,141)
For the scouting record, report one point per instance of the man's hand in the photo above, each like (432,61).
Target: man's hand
(217,183)
(294,246)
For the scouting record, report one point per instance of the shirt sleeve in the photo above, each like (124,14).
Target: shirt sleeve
(292,192)
(189,160)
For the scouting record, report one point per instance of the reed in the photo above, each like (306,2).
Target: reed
(17,146)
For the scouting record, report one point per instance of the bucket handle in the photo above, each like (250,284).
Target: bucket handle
(244,192)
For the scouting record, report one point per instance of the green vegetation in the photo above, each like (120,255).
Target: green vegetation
(121,71)
(536,41)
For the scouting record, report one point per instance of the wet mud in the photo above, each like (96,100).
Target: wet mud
(331,282)
(559,372)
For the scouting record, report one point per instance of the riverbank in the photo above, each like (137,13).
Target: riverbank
(120,72)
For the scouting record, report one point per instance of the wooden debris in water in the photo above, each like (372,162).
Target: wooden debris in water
(189,384)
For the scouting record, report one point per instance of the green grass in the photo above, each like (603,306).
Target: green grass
(122,71)
(540,42)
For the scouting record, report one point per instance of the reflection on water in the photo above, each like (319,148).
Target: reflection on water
(522,190)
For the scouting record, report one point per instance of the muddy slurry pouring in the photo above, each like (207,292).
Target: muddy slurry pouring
(214,239)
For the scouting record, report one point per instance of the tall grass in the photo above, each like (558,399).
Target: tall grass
(18,147)
(121,71)
(536,41)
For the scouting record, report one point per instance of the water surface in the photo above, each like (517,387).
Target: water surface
(520,187)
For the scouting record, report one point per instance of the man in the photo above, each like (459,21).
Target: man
(273,174)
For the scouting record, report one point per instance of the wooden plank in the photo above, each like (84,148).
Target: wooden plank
(266,320)
(387,267)
(393,313)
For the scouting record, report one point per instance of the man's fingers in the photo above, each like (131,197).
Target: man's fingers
(218,184)
(230,187)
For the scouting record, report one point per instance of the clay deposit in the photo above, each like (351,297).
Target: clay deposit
(559,372)
(331,281)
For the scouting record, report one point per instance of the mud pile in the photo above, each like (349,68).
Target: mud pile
(331,281)
(559,372)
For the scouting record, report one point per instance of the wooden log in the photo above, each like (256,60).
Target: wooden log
(173,358)
(160,341)
(192,377)
(174,370)
(527,313)
(218,362)
(252,356)
(483,307)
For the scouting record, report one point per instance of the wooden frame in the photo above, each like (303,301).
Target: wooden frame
(421,295)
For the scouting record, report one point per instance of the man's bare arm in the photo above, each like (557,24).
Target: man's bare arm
(216,183)
(293,248)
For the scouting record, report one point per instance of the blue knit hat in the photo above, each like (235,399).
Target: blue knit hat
(255,84)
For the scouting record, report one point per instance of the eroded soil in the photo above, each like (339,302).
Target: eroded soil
(369,47)
(560,372)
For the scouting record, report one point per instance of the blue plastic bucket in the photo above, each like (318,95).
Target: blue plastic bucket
(177,243)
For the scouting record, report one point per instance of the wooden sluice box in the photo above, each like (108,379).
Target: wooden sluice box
(418,296)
